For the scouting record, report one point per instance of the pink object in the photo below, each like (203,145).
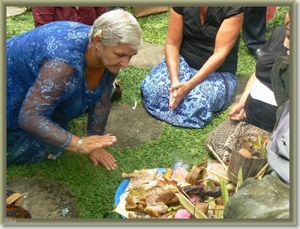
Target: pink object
(179,174)
(195,200)
(182,214)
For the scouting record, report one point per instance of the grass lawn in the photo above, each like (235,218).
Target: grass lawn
(94,187)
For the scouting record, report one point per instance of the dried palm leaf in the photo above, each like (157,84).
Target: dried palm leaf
(261,173)
(216,155)
(217,174)
(219,211)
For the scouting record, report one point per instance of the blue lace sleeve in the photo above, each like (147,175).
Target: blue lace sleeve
(41,100)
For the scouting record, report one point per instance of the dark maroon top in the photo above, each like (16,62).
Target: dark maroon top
(86,15)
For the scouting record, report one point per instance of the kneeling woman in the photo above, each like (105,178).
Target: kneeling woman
(58,72)
(197,77)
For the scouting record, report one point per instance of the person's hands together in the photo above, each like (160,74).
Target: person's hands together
(94,142)
(103,157)
(117,93)
(115,83)
(177,92)
(237,111)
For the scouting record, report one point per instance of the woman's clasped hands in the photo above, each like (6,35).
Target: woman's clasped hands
(177,92)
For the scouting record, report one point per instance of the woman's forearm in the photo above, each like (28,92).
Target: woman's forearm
(172,60)
(210,66)
(248,88)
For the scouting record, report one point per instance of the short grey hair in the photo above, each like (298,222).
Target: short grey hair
(117,27)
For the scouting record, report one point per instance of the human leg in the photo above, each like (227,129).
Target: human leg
(254,29)
(21,148)
(195,110)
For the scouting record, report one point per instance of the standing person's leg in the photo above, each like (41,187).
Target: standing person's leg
(254,29)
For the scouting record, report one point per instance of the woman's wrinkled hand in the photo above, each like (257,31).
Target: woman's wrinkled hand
(103,157)
(237,112)
(94,142)
(177,92)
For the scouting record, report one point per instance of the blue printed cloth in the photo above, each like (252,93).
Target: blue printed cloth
(196,109)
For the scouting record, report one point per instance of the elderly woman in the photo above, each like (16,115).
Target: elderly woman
(58,72)
(197,77)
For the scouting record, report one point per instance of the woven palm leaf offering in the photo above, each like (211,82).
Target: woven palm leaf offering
(249,156)
(167,193)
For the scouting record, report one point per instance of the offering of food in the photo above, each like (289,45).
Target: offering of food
(147,193)
(164,193)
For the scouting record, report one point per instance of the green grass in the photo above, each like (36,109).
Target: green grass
(94,187)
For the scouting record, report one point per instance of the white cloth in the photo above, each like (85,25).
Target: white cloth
(262,93)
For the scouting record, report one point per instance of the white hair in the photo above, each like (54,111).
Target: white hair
(117,27)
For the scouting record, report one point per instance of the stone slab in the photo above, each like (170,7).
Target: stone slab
(132,127)
(44,198)
(148,56)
